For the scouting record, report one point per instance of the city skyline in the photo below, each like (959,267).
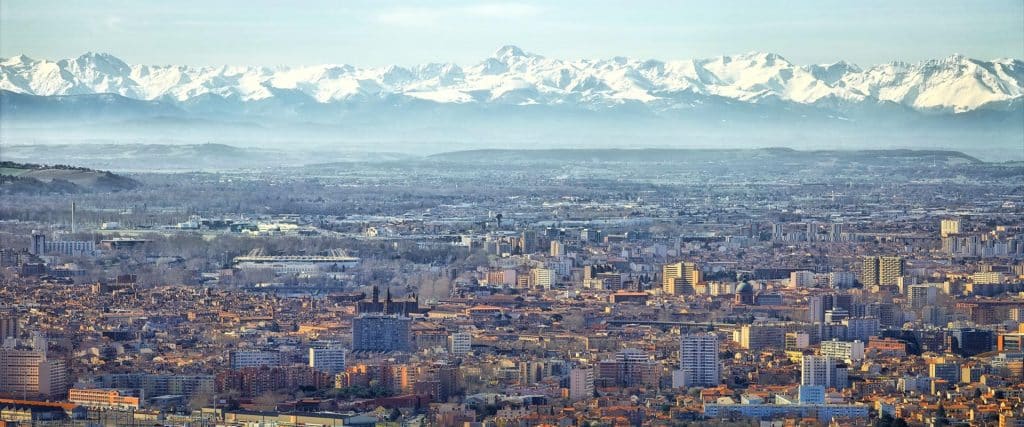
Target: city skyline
(524,213)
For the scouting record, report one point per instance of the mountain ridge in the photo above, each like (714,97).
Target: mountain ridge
(513,76)
(663,155)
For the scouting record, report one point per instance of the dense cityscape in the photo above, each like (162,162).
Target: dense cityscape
(511,213)
(520,288)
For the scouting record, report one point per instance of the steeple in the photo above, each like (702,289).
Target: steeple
(376,294)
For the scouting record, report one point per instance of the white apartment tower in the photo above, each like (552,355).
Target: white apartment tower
(698,361)
(825,371)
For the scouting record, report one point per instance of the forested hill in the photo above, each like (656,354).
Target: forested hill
(27,178)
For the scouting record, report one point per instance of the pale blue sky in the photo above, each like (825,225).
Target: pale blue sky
(376,33)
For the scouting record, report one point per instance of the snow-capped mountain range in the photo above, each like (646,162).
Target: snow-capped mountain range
(511,76)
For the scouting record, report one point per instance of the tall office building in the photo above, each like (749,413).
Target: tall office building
(698,361)
(528,241)
(679,278)
(824,371)
(381,333)
(581,383)
(950,227)
(968,342)
(329,359)
(881,270)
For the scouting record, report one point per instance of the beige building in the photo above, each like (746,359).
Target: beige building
(28,373)
(541,278)
(950,227)
(679,278)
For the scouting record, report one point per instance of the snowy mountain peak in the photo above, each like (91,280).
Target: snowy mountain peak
(513,76)
(766,59)
(102,60)
(16,61)
(508,52)
(90,55)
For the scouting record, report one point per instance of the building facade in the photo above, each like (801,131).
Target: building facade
(698,361)
(381,333)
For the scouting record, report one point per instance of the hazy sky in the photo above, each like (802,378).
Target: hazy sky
(376,33)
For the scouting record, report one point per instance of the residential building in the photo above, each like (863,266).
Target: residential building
(381,333)
(825,371)
(238,359)
(581,383)
(329,359)
(679,278)
(698,361)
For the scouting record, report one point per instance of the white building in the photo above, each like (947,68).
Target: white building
(330,360)
(987,277)
(289,264)
(698,361)
(541,278)
(239,359)
(843,350)
(841,279)
(805,279)
(825,371)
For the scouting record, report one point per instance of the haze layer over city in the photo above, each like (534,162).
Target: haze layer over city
(511,214)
